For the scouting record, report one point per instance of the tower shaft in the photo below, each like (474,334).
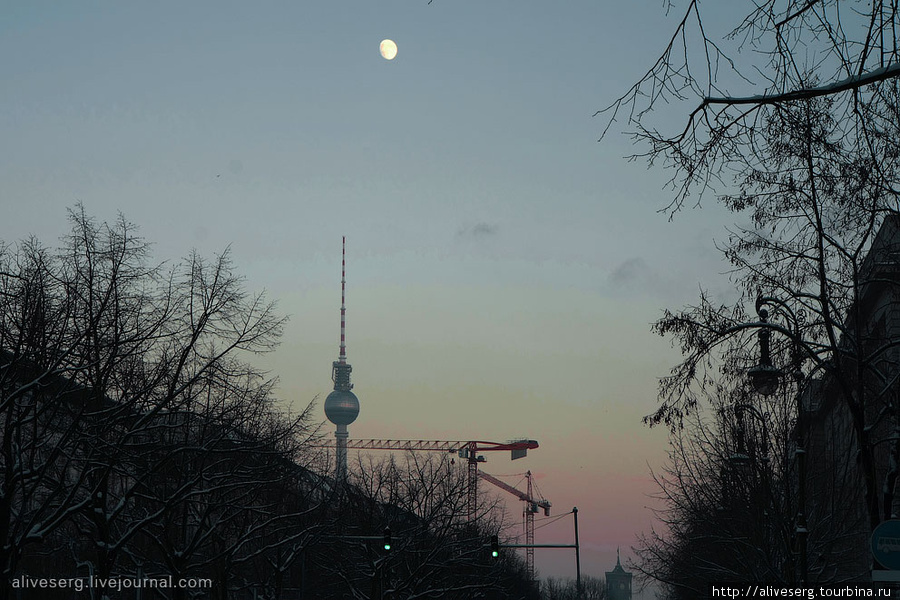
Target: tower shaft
(340,454)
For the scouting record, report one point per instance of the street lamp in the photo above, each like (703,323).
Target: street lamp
(745,453)
(761,496)
(738,457)
(765,378)
(751,457)
(746,480)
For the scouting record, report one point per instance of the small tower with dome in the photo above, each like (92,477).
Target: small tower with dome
(618,582)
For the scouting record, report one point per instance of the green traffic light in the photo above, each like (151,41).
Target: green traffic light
(495,554)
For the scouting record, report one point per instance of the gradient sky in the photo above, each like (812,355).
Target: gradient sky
(503,266)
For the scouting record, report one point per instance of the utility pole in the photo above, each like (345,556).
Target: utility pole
(577,556)
(575,545)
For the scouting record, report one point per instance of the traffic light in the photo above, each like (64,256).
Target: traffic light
(495,546)
(387,538)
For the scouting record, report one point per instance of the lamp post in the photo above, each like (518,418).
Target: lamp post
(745,452)
(577,556)
(765,379)
(751,460)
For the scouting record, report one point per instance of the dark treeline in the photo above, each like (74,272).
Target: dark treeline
(138,441)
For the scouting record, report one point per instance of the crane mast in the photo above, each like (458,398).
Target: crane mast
(532,505)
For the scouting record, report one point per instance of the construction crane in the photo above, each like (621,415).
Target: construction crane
(468,450)
(532,505)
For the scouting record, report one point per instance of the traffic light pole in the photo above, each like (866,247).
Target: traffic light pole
(381,574)
(575,545)
(577,555)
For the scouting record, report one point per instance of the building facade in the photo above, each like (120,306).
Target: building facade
(851,422)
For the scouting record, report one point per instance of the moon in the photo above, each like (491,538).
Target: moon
(388,49)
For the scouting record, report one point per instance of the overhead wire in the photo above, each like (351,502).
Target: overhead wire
(551,520)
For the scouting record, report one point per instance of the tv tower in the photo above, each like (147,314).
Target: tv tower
(341,405)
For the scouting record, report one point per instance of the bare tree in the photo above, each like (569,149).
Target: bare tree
(592,588)
(72,325)
(435,552)
(812,146)
(39,406)
(728,498)
(821,239)
(776,54)
(130,418)
(230,493)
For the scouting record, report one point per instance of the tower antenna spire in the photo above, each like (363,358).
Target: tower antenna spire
(342,357)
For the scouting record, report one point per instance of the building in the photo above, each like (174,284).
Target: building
(342,405)
(851,420)
(618,582)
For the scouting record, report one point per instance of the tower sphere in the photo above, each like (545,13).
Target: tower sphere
(341,407)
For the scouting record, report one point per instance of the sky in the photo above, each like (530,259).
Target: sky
(503,266)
